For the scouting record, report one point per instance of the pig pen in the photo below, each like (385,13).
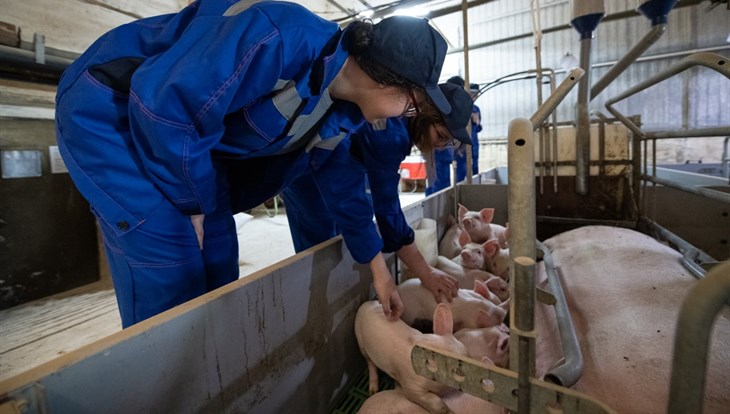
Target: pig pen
(278,341)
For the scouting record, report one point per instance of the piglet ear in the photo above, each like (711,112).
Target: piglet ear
(464,239)
(493,317)
(462,211)
(481,288)
(443,320)
(451,220)
(491,247)
(487,214)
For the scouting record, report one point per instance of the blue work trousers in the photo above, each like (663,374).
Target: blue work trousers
(158,264)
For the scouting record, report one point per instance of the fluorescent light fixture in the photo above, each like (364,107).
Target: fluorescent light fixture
(416,11)
(568,62)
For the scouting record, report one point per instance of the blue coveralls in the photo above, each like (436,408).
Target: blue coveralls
(460,154)
(154,114)
(373,151)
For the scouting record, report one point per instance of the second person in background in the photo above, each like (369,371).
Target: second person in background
(374,155)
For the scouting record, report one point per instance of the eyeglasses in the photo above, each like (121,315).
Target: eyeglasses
(412,108)
(445,141)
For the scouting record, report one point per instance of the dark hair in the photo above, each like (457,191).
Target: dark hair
(418,130)
(358,36)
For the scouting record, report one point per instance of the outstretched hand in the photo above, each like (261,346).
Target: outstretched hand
(442,285)
(390,298)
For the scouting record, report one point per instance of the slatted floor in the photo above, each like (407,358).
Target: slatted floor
(38,332)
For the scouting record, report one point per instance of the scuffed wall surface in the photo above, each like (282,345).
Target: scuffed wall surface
(72,25)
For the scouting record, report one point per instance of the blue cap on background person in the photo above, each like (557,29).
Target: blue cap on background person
(458,118)
(412,49)
(474,88)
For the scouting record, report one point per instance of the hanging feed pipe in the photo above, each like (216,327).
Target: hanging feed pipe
(657,11)
(586,16)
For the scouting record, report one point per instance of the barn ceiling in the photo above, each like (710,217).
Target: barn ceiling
(344,10)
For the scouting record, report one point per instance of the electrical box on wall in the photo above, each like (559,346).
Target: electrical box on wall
(48,239)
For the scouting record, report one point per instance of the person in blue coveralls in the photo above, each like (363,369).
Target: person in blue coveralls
(476,126)
(153,118)
(440,178)
(375,153)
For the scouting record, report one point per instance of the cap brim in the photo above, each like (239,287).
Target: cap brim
(438,99)
(459,132)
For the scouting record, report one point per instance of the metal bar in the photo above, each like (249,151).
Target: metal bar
(629,224)
(521,211)
(684,246)
(537,33)
(694,327)
(554,130)
(465,28)
(594,163)
(607,18)
(654,34)
(636,183)
(725,160)
(523,327)
(602,120)
(499,385)
(713,61)
(570,370)
(709,193)
(556,97)
(687,133)
(601,148)
(39,47)
(583,122)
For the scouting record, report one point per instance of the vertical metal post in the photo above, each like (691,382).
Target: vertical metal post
(521,171)
(39,48)
(537,32)
(692,339)
(583,122)
(469,149)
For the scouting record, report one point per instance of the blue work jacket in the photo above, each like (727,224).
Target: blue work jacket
(381,149)
(150,109)
(332,198)
(338,177)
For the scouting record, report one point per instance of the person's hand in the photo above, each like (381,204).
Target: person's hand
(389,297)
(442,285)
(197,221)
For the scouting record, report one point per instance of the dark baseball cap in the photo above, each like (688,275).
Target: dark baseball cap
(457,119)
(456,80)
(411,48)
